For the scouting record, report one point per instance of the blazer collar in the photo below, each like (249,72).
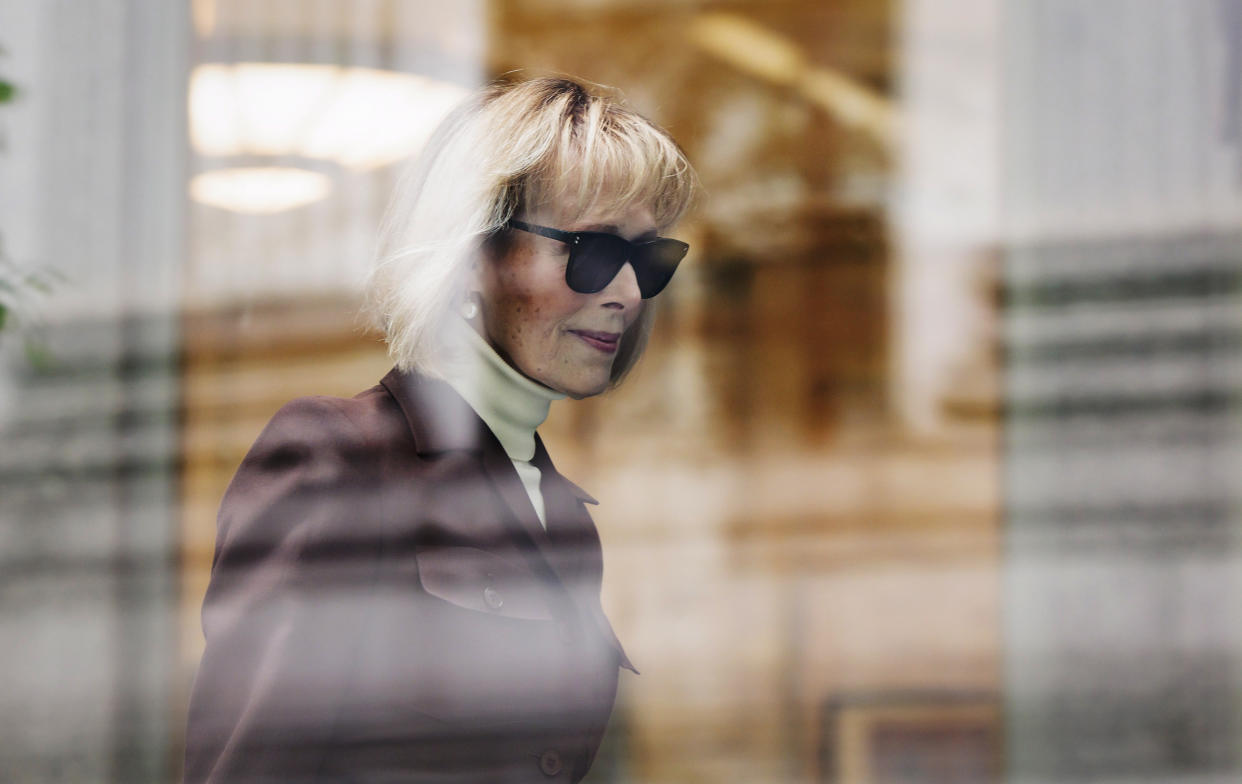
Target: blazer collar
(439,418)
(543,462)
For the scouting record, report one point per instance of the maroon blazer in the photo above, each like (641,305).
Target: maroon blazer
(385,606)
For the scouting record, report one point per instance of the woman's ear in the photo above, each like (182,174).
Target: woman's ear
(479,278)
(495,247)
(472,288)
(476,274)
(473,277)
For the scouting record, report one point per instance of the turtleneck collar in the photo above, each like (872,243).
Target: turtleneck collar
(509,403)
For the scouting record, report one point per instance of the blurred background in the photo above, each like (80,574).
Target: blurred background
(930,474)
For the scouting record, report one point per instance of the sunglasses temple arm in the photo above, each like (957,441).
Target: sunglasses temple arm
(543,231)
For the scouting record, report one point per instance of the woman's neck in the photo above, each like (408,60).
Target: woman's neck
(511,404)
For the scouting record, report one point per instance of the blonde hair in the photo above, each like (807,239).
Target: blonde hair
(510,147)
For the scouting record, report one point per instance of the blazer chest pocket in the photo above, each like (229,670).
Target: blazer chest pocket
(482,581)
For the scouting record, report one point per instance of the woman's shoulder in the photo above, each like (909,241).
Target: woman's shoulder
(323,420)
(323,428)
(316,452)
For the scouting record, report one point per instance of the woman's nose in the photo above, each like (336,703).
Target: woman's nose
(622,290)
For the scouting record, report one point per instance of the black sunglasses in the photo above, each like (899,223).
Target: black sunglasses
(596,257)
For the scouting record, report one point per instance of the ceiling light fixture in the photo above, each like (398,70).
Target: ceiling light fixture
(358,118)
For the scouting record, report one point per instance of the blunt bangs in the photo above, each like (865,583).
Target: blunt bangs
(610,159)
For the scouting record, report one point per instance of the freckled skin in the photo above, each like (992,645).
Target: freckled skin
(528,311)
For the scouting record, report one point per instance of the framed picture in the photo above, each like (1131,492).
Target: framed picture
(911,738)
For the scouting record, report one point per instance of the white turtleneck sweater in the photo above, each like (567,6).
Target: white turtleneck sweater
(510,404)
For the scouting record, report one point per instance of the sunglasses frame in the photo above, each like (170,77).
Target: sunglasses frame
(574,240)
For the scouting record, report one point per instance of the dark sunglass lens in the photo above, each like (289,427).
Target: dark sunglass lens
(596,258)
(655,264)
(594,261)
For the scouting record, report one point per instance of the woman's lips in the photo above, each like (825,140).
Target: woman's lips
(603,341)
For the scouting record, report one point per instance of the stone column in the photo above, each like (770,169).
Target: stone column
(92,187)
(1123,366)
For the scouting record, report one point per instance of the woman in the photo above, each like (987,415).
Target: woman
(404,587)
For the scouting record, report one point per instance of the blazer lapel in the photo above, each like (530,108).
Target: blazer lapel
(570,528)
(508,484)
(441,420)
(577,540)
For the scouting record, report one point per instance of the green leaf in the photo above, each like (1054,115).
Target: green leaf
(7,91)
(38,355)
(4,313)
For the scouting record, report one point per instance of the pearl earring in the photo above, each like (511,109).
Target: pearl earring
(469,309)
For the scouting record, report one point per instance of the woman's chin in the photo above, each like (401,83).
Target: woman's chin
(584,387)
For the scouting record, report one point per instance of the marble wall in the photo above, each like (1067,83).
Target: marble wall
(91,194)
(1122,278)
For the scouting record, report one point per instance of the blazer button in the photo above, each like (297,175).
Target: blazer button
(493,598)
(550,763)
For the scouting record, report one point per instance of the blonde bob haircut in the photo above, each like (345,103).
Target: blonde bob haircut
(510,147)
